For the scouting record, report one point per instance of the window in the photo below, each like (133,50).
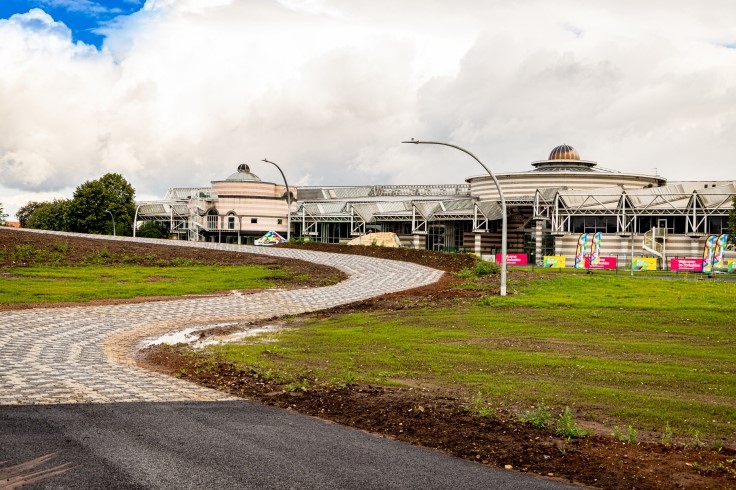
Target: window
(230,221)
(337,232)
(212,220)
(593,224)
(254,220)
(717,224)
(279,221)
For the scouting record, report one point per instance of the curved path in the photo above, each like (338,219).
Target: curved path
(60,355)
(68,392)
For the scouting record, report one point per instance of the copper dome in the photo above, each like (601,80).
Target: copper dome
(564,152)
(244,174)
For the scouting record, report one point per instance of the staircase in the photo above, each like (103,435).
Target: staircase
(195,231)
(654,243)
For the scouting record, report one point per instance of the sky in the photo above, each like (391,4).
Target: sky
(177,93)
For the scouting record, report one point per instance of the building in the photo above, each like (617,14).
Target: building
(238,209)
(548,208)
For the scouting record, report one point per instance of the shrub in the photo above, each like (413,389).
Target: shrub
(483,268)
(537,417)
(628,437)
(61,247)
(479,407)
(667,435)
(566,426)
(24,251)
(152,229)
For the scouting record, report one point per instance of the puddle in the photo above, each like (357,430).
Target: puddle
(201,336)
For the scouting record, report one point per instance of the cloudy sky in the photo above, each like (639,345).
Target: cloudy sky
(176,93)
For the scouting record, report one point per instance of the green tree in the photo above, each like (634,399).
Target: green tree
(92,201)
(52,215)
(153,229)
(2,215)
(24,213)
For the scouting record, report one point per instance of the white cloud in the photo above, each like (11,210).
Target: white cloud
(85,6)
(184,90)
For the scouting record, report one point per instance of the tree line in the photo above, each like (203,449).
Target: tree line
(94,207)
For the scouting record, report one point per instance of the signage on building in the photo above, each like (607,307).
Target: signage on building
(514,259)
(603,263)
(686,265)
(554,262)
(644,264)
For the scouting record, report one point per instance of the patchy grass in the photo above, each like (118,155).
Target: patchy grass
(86,283)
(641,352)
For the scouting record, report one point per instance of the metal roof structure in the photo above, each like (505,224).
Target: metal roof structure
(695,201)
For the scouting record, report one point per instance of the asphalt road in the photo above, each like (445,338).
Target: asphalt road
(232,444)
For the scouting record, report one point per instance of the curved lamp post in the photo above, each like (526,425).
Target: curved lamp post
(288,199)
(113,221)
(500,194)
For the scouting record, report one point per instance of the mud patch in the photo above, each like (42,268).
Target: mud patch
(198,336)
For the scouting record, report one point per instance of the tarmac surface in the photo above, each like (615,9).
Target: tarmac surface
(69,388)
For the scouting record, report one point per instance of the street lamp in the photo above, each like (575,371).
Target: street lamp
(113,221)
(288,199)
(500,194)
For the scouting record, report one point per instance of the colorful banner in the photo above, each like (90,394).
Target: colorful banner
(644,264)
(595,252)
(719,264)
(514,259)
(708,253)
(686,265)
(553,262)
(603,263)
(580,252)
(732,266)
(270,239)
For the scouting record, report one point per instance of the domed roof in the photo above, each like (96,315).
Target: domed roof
(564,152)
(243,174)
(564,158)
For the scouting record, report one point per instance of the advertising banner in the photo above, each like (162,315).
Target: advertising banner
(686,265)
(553,262)
(603,263)
(719,264)
(595,252)
(644,264)
(513,259)
(580,252)
(708,252)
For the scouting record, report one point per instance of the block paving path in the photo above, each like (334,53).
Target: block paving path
(82,354)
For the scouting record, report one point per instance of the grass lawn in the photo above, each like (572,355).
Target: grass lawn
(658,355)
(54,284)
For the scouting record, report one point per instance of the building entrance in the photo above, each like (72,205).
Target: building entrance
(436,238)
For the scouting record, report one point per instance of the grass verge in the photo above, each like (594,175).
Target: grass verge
(86,283)
(647,353)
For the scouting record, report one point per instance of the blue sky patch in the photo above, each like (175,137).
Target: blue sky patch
(82,17)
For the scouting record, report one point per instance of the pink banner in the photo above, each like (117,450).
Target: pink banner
(513,259)
(603,263)
(686,265)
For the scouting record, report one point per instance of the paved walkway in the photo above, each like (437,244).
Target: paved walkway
(79,354)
